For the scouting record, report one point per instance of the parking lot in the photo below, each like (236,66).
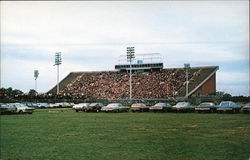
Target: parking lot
(65,134)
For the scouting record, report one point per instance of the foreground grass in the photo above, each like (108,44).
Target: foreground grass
(63,134)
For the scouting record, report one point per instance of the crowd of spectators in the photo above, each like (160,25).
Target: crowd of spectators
(111,85)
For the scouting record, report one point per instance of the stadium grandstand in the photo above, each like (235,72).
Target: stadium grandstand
(149,80)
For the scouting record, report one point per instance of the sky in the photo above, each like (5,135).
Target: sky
(91,35)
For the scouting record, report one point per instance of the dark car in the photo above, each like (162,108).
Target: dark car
(246,108)
(94,107)
(206,107)
(164,107)
(228,106)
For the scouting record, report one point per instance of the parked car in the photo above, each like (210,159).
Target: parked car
(228,106)
(71,105)
(114,107)
(164,107)
(44,105)
(58,105)
(183,107)
(7,108)
(246,108)
(21,108)
(53,105)
(140,107)
(30,104)
(206,107)
(80,107)
(94,107)
(64,105)
(67,104)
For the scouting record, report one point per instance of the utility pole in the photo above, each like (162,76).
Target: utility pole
(130,57)
(58,61)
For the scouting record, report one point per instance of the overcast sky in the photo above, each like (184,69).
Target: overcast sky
(92,35)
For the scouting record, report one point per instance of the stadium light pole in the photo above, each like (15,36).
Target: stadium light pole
(187,66)
(0,68)
(58,61)
(36,73)
(167,88)
(130,57)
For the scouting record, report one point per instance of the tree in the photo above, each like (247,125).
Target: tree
(32,92)
(8,91)
(227,95)
(17,92)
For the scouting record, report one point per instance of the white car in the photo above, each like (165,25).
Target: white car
(7,108)
(115,107)
(80,107)
(64,105)
(21,108)
(53,105)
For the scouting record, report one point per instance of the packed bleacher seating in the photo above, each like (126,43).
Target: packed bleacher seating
(157,84)
(163,83)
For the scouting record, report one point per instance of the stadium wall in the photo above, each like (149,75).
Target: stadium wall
(208,87)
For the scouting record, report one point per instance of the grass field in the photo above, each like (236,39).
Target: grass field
(58,134)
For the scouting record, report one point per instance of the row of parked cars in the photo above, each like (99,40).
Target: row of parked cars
(225,106)
(12,108)
(98,107)
(29,107)
(50,105)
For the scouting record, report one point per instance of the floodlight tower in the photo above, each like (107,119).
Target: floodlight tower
(58,61)
(36,73)
(187,67)
(130,57)
(0,69)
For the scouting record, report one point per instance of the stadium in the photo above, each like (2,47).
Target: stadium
(150,80)
(180,91)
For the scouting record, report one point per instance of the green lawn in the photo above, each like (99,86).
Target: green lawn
(58,134)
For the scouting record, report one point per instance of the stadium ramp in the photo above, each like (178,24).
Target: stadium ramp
(64,82)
